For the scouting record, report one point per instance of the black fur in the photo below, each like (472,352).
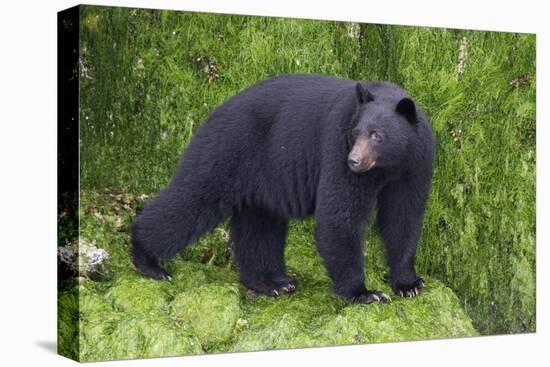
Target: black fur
(278,150)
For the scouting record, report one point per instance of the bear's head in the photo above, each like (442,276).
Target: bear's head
(382,128)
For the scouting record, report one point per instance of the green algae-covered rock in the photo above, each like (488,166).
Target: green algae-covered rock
(67,323)
(106,333)
(138,318)
(314,317)
(84,324)
(97,321)
(286,322)
(190,274)
(203,309)
(435,313)
(143,337)
(210,312)
(136,294)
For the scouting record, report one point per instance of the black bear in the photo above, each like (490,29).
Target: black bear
(289,147)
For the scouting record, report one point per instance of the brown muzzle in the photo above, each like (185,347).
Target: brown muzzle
(362,156)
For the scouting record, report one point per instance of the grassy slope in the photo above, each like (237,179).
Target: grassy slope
(146,88)
(204,309)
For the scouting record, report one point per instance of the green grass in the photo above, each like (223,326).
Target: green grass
(149,78)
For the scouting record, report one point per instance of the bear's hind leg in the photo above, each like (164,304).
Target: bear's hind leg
(168,224)
(148,265)
(259,239)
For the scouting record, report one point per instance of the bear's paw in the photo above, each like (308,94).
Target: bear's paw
(411,290)
(371,296)
(274,287)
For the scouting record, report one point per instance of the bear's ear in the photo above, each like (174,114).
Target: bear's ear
(407,108)
(363,95)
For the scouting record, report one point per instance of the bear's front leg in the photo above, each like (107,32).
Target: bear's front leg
(401,206)
(341,248)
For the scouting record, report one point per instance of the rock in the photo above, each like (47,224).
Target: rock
(204,308)
(135,294)
(315,318)
(82,257)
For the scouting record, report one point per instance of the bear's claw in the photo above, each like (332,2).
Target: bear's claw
(287,288)
(274,288)
(371,296)
(155,272)
(412,290)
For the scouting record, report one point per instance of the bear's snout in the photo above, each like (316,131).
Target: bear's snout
(362,156)
(354,160)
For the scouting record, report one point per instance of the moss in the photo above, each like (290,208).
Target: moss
(189,274)
(314,317)
(106,333)
(135,294)
(97,321)
(435,313)
(143,337)
(67,324)
(204,308)
(287,321)
(210,312)
(118,336)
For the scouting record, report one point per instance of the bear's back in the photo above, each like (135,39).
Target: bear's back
(268,138)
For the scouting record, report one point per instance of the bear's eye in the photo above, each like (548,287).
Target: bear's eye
(376,137)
